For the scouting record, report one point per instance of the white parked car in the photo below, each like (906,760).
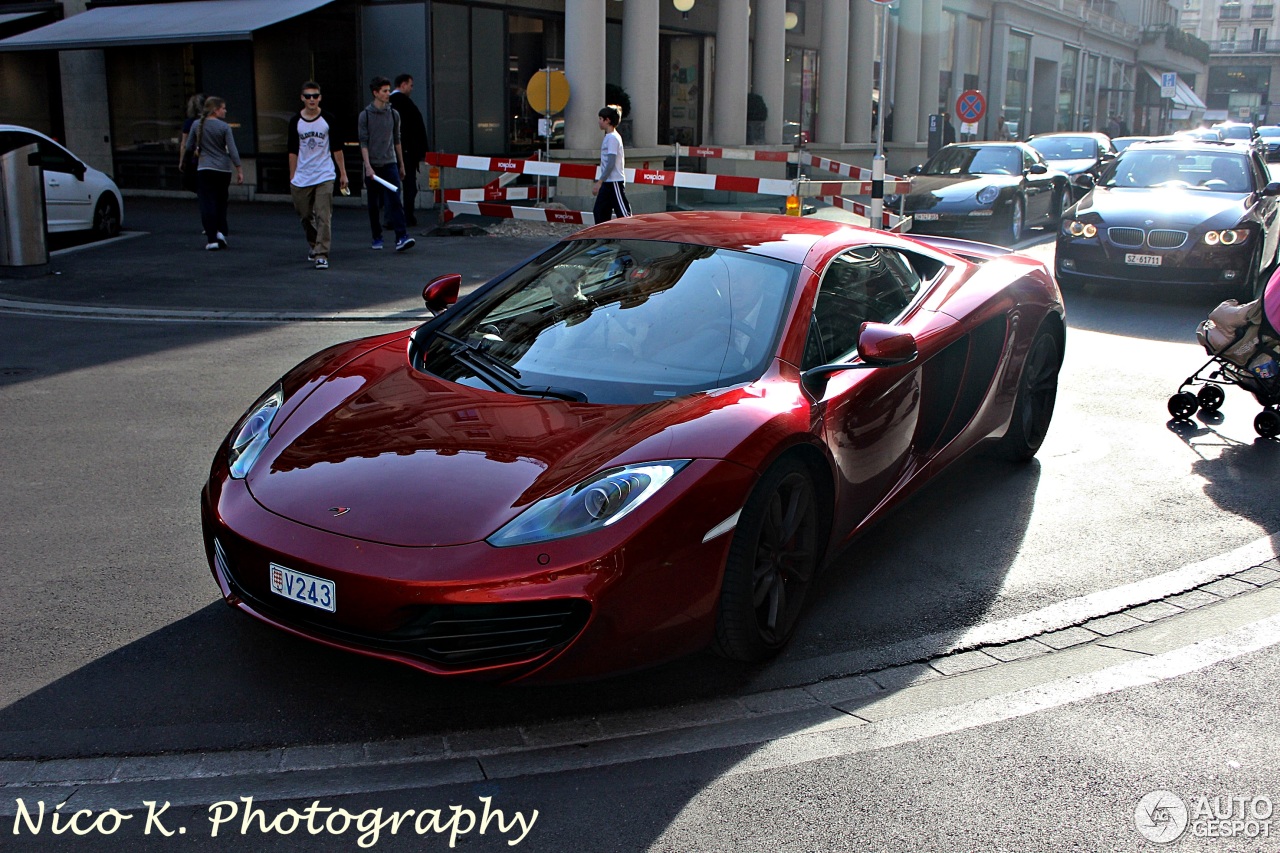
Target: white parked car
(76,195)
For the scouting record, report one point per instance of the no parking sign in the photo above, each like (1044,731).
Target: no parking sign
(971,106)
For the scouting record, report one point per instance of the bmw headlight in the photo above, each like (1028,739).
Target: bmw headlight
(987,195)
(1076,228)
(592,504)
(252,433)
(1229,237)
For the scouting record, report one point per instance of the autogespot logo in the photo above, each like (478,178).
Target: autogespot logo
(1161,816)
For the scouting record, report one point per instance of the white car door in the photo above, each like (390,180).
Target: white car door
(68,200)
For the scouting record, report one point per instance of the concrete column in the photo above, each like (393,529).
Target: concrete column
(930,61)
(906,86)
(84,106)
(960,61)
(833,75)
(864,38)
(729,112)
(640,68)
(584,68)
(769,61)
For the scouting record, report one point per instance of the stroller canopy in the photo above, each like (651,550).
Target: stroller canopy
(1271,301)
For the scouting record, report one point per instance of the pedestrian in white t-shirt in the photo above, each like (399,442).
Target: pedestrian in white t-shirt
(314,151)
(611,198)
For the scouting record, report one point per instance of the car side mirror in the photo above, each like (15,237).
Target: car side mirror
(917,169)
(1038,169)
(1271,189)
(879,345)
(442,291)
(1084,180)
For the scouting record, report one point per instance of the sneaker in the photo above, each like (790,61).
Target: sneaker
(211,247)
(377,244)
(322,263)
(405,242)
(222,240)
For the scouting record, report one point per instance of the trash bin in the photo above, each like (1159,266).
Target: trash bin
(23,250)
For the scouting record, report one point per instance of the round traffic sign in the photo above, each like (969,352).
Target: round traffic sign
(548,92)
(971,106)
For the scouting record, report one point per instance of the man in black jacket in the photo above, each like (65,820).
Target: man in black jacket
(413,138)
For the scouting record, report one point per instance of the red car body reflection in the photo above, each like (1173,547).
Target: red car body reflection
(387,482)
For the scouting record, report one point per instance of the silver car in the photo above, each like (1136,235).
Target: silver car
(77,197)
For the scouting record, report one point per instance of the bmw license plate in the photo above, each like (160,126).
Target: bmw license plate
(306,589)
(1142,260)
(926,217)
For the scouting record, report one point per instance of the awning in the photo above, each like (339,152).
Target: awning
(161,23)
(1183,95)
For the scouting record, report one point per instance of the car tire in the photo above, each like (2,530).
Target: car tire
(1037,393)
(772,562)
(106,216)
(1017,220)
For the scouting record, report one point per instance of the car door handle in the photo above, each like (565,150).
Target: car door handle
(53,182)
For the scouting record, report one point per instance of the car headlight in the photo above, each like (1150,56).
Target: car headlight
(1076,228)
(892,200)
(986,195)
(592,504)
(1229,237)
(252,433)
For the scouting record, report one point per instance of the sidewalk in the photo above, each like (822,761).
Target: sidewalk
(160,265)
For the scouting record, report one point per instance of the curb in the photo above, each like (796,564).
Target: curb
(1216,599)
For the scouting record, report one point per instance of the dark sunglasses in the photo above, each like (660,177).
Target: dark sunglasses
(310,95)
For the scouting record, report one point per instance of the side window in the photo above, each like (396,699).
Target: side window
(54,159)
(861,285)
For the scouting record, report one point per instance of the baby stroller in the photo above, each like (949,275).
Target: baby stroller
(1244,350)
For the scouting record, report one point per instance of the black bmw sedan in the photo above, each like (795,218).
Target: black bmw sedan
(995,188)
(1175,212)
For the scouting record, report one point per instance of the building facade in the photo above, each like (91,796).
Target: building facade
(113,79)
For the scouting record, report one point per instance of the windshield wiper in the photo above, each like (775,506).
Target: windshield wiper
(499,374)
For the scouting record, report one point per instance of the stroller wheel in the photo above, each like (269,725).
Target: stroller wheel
(1210,398)
(1183,405)
(1267,423)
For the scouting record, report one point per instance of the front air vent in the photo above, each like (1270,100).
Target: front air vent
(1166,239)
(1127,237)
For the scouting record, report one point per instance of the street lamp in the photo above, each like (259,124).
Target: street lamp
(683,7)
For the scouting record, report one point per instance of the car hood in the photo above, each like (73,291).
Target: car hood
(956,187)
(1165,208)
(388,454)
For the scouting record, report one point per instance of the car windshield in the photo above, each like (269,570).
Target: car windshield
(619,321)
(975,160)
(1211,171)
(1066,147)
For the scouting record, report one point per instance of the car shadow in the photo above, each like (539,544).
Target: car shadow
(216,679)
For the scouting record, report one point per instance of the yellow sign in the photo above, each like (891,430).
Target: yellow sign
(548,92)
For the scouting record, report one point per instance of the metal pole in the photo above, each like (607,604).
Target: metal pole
(677,201)
(877,163)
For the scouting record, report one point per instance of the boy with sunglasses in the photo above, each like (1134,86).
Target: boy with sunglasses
(314,150)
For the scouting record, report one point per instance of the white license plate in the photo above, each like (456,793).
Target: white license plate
(1142,260)
(926,217)
(306,589)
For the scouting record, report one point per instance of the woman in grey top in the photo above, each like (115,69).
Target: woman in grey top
(212,140)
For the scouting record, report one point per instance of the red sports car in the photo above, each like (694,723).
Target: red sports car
(645,440)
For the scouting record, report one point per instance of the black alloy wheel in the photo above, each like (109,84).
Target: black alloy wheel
(1037,393)
(106,217)
(772,563)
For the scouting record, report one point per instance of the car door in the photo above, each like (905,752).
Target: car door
(67,197)
(1268,210)
(870,416)
(1039,188)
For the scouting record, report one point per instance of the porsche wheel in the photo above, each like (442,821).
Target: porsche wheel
(1017,220)
(106,217)
(1037,392)
(772,563)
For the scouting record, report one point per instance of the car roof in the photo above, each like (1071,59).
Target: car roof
(1187,143)
(1089,133)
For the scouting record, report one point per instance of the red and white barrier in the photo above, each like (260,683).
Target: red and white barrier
(734,154)
(533,214)
(494,192)
(892,185)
